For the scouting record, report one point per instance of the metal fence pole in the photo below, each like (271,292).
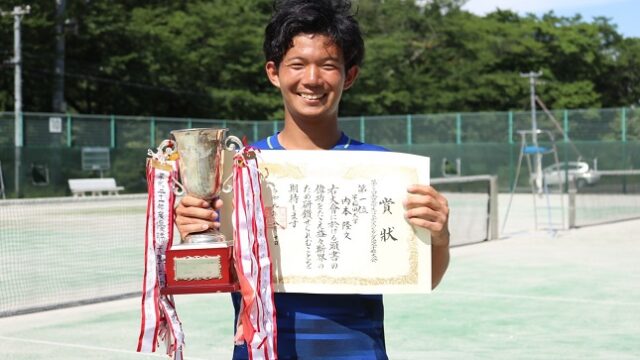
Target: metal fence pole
(112,126)
(362,129)
(624,124)
(565,119)
(510,137)
(255,131)
(409,130)
(152,132)
(458,128)
(69,132)
(565,151)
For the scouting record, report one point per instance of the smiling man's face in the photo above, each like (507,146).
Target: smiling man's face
(311,78)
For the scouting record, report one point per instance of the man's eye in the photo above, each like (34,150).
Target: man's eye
(329,67)
(296,65)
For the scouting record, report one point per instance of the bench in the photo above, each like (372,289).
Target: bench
(80,187)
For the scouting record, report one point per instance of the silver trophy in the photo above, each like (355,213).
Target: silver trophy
(201,164)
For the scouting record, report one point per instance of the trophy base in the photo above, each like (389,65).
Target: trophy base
(206,237)
(200,268)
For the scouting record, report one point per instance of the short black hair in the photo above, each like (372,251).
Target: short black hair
(332,18)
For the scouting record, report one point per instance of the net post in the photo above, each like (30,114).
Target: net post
(572,205)
(493,208)
(362,129)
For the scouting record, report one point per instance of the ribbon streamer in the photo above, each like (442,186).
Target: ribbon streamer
(159,317)
(257,318)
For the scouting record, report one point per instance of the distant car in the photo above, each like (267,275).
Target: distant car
(577,171)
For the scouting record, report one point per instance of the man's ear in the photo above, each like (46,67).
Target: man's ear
(272,73)
(352,75)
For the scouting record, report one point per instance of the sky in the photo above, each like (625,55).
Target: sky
(623,13)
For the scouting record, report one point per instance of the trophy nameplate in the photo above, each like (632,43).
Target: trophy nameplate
(199,268)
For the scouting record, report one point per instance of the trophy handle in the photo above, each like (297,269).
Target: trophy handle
(178,190)
(227,185)
(233,143)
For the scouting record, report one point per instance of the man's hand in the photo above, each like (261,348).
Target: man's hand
(195,215)
(425,207)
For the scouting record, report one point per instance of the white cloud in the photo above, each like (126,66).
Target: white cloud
(482,7)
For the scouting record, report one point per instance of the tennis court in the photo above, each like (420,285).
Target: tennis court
(530,295)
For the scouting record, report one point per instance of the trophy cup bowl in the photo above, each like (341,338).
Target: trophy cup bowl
(200,163)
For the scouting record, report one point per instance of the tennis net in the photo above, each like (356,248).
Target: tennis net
(615,196)
(473,204)
(59,252)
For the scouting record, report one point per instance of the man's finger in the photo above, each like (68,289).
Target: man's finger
(419,189)
(429,225)
(196,212)
(189,201)
(217,204)
(413,201)
(192,228)
(424,213)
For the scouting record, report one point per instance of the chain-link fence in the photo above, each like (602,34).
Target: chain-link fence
(485,143)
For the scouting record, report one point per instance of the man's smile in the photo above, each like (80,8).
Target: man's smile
(312,96)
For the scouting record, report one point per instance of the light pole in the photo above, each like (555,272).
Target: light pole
(534,127)
(57,102)
(17,13)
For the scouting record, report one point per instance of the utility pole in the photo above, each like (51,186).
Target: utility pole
(17,13)
(58,103)
(534,126)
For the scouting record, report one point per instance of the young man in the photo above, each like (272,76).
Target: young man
(313,50)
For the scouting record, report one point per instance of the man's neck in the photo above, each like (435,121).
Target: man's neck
(317,136)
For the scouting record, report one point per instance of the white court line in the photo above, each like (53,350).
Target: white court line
(86,347)
(541,298)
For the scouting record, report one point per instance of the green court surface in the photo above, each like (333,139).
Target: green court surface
(575,295)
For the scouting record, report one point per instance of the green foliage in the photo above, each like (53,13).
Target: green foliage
(203,58)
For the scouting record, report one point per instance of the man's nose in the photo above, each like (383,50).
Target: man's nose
(312,76)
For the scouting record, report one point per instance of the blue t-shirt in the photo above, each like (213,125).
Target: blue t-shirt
(325,326)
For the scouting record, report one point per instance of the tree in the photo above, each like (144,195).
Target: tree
(203,59)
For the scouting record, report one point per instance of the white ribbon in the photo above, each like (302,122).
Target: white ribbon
(159,318)
(257,317)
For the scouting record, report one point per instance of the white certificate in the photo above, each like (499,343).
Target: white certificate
(336,222)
